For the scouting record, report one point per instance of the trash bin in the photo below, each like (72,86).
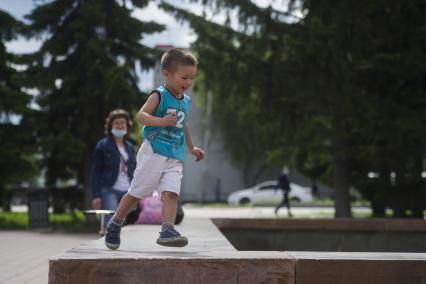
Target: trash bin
(38,206)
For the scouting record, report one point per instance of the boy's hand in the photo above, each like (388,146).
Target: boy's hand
(169,119)
(198,153)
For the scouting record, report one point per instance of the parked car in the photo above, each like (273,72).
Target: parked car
(265,193)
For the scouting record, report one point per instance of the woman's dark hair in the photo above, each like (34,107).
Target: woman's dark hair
(117,113)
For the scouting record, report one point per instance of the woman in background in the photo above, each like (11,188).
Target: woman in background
(113,163)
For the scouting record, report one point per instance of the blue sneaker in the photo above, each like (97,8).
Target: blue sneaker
(112,236)
(171,238)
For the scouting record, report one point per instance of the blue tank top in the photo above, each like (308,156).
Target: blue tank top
(169,141)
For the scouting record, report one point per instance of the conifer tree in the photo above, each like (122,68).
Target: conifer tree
(85,68)
(237,64)
(362,70)
(15,139)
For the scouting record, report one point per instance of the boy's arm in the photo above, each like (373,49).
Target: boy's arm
(145,116)
(197,152)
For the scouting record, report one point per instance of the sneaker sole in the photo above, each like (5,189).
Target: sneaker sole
(173,242)
(112,246)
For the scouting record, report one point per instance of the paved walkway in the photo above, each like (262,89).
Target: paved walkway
(24,255)
(265,212)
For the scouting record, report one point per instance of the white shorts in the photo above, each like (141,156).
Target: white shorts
(155,172)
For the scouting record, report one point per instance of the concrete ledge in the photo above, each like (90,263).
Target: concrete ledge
(355,268)
(210,258)
(373,235)
(382,225)
(189,270)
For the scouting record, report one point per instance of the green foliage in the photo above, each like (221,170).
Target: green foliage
(16,161)
(85,68)
(228,58)
(13,221)
(336,93)
(68,223)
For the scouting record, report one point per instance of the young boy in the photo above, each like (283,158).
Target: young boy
(159,160)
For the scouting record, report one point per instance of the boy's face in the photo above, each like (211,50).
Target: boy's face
(181,79)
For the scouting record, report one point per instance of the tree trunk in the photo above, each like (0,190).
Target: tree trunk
(379,199)
(5,198)
(86,183)
(342,203)
(378,207)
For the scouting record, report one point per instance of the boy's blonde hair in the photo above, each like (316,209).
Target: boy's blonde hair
(176,56)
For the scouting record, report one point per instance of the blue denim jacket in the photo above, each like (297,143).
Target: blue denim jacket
(106,164)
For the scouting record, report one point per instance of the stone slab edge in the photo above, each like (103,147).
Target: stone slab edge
(343,224)
(193,270)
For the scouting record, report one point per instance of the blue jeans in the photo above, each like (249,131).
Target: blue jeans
(110,200)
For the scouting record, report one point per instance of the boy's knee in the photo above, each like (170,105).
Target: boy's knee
(169,195)
(130,197)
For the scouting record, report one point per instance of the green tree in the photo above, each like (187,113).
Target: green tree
(392,74)
(229,59)
(16,163)
(85,67)
(324,56)
(323,91)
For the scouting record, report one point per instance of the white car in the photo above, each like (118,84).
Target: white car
(265,193)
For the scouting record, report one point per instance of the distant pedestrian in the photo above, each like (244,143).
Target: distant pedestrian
(113,163)
(314,189)
(284,186)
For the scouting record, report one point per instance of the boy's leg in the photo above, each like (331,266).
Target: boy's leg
(169,207)
(112,237)
(145,179)
(126,203)
(168,235)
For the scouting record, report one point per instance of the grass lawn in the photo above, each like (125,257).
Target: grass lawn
(67,222)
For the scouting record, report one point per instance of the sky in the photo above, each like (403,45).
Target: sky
(176,33)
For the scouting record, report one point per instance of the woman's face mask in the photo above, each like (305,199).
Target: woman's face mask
(119,133)
(119,127)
